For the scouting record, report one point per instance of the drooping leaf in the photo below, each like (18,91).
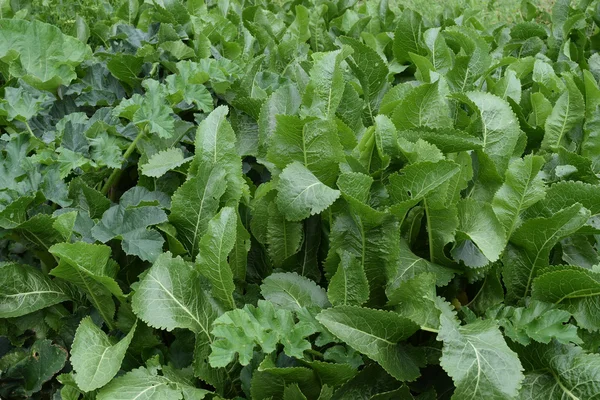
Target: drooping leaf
(376,334)
(96,360)
(25,289)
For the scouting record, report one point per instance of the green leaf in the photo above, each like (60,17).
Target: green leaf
(96,360)
(423,106)
(568,112)
(539,321)
(407,35)
(89,267)
(478,224)
(575,289)
(556,371)
(163,161)
(240,331)
(522,188)
(194,204)
(215,246)
(126,68)
(25,289)
(314,143)
(325,87)
(535,238)
(131,225)
(349,285)
(146,384)
(301,194)
(25,46)
(377,334)
(283,237)
(415,299)
(153,112)
(477,358)
(496,125)
(171,296)
(290,291)
(216,148)
(22,105)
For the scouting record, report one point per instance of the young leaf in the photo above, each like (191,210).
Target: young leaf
(239,331)
(163,161)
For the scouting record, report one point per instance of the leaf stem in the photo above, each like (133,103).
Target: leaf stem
(425,328)
(315,353)
(117,172)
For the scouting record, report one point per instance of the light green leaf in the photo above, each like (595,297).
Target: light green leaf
(146,384)
(301,194)
(478,224)
(423,106)
(325,87)
(95,358)
(290,291)
(24,289)
(163,161)
(535,238)
(497,126)
(377,334)
(154,112)
(522,188)
(89,267)
(415,299)
(240,331)
(407,35)
(283,237)
(557,372)
(568,111)
(215,246)
(477,358)
(171,296)
(216,149)
(349,285)
(313,143)
(572,288)
(25,46)
(539,321)
(194,204)
(22,105)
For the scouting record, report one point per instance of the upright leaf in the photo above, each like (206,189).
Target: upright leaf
(215,246)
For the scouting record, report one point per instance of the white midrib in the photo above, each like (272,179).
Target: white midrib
(30,293)
(184,308)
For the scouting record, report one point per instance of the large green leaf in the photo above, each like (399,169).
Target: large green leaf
(535,238)
(96,360)
(555,371)
(575,289)
(26,289)
(377,334)
(477,358)
(27,45)
(293,292)
(215,246)
(171,296)
(301,194)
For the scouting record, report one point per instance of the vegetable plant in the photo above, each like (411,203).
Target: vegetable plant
(298,200)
